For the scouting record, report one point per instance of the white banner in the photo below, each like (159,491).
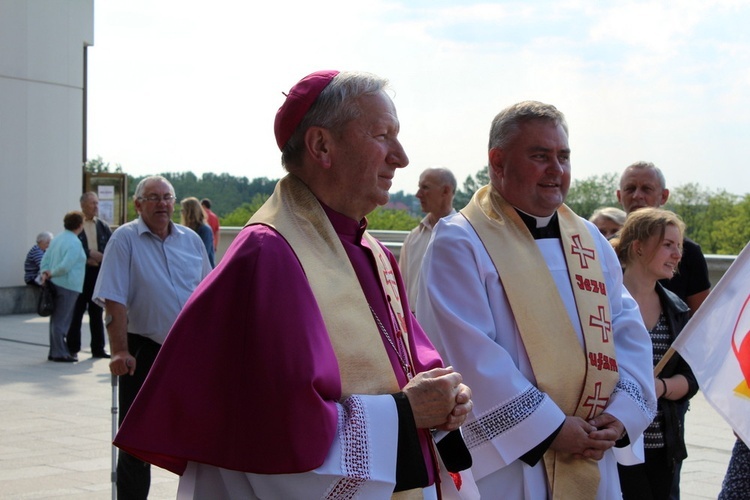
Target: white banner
(716,345)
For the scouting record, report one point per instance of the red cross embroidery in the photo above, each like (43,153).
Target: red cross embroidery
(583,253)
(596,401)
(601,322)
(390,279)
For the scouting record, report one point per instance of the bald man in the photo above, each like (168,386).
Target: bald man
(437,186)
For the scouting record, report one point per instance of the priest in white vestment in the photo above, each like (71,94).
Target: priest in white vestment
(526,300)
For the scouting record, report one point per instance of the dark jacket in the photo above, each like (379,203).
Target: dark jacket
(103,233)
(677,314)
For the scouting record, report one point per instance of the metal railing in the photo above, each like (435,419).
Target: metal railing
(21,299)
(717,264)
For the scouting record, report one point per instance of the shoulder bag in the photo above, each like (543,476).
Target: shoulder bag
(46,304)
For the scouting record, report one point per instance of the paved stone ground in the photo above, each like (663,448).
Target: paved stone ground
(56,420)
(56,425)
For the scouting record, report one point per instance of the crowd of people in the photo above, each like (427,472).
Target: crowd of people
(62,270)
(508,353)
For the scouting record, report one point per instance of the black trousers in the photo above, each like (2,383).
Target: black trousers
(651,480)
(73,339)
(133,475)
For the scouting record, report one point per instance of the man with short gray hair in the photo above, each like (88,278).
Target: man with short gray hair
(642,184)
(437,186)
(94,238)
(150,268)
(316,381)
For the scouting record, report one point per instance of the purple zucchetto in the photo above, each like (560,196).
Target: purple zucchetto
(298,102)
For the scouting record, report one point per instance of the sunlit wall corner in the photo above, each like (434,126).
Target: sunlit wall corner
(42,45)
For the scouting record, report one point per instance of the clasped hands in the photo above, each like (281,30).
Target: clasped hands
(439,399)
(588,439)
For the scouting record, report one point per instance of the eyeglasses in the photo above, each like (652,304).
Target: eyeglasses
(155,198)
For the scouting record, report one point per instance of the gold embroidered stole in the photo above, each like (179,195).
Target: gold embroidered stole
(390,286)
(579,381)
(365,368)
(296,214)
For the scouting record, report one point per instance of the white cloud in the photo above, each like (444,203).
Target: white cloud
(194,86)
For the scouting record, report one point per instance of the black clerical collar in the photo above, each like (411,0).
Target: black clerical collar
(551,230)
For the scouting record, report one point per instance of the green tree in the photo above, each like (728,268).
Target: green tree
(409,200)
(690,201)
(240,215)
(99,166)
(586,195)
(226,192)
(718,221)
(388,219)
(719,207)
(471,186)
(730,234)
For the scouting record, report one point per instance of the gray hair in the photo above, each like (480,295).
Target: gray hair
(142,185)
(612,213)
(44,236)
(507,123)
(335,106)
(645,165)
(445,177)
(87,194)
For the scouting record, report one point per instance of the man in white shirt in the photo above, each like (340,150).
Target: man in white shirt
(151,266)
(437,186)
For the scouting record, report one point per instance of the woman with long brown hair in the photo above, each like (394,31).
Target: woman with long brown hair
(193,216)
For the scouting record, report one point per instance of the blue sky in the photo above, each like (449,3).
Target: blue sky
(189,85)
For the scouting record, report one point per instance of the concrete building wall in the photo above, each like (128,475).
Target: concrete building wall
(42,85)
